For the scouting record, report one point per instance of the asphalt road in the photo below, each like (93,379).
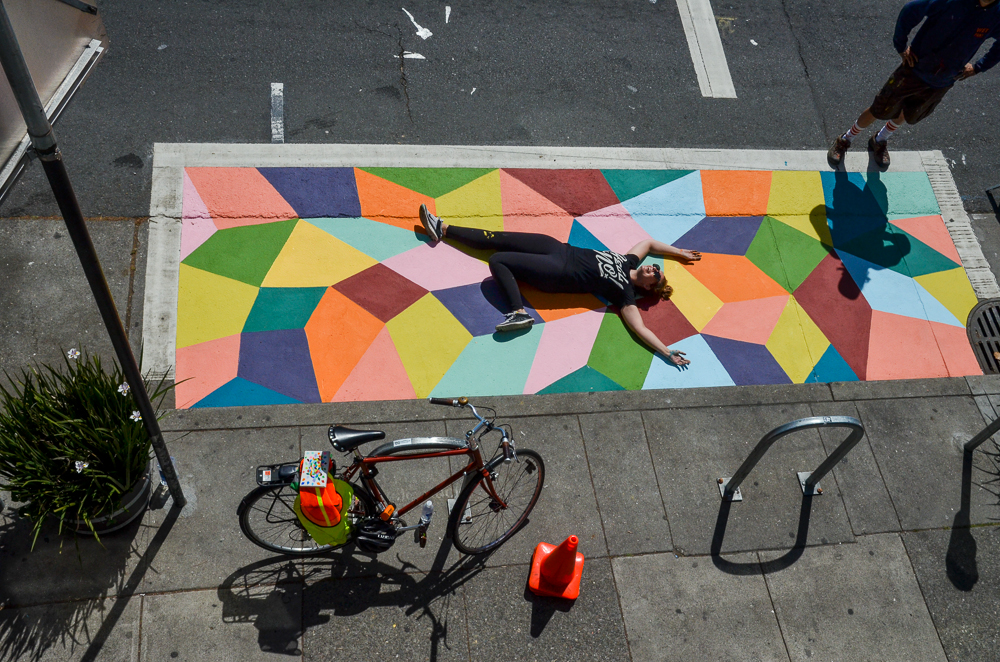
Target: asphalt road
(582,73)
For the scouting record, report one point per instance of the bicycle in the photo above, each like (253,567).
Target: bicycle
(494,502)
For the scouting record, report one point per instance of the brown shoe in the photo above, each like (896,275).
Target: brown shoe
(880,151)
(835,155)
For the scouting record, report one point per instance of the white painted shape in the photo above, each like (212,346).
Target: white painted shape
(277,112)
(705,44)
(412,56)
(423,33)
(447,13)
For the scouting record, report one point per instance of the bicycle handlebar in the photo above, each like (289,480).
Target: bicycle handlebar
(449,402)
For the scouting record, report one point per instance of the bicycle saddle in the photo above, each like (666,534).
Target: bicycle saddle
(346,439)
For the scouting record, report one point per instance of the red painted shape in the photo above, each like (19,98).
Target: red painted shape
(832,299)
(556,571)
(664,319)
(381,291)
(576,191)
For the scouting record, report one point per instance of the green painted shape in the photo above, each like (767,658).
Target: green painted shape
(584,380)
(376,240)
(432,182)
(629,183)
(492,365)
(785,254)
(283,308)
(898,250)
(619,355)
(244,253)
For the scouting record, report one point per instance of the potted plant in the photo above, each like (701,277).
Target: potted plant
(73,447)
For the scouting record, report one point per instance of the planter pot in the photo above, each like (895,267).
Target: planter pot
(131,506)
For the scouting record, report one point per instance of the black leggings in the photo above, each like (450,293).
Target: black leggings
(536,259)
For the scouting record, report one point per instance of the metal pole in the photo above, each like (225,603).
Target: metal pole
(43,140)
(985,434)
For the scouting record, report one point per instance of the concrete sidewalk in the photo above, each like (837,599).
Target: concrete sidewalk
(896,560)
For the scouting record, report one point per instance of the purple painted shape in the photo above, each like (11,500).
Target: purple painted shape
(317,192)
(729,235)
(479,306)
(280,361)
(746,363)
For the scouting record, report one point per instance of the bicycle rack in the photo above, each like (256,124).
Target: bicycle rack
(985,434)
(729,488)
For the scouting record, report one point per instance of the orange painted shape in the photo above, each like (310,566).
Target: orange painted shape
(553,307)
(339,333)
(932,231)
(526,210)
(954,344)
(556,570)
(204,367)
(733,278)
(903,348)
(239,196)
(390,203)
(735,192)
(749,321)
(379,375)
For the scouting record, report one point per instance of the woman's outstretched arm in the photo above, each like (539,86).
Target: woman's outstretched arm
(634,320)
(647,246)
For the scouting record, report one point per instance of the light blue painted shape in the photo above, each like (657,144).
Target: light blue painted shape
(669,229)
(831,367)
(492,365)
(892,292)
(239,392)
(376,240)
(705,368)
(668,212)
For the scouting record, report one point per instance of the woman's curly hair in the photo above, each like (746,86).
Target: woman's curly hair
(663,290)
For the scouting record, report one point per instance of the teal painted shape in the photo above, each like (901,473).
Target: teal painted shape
(908,193)
(584,380)
(492,365)
(889,193)
(581,237)
(831,367)
(629,183)
(242,393)
(922,259)
(376,240)
(278,308)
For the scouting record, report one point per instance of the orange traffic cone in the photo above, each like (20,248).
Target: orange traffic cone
(556,571)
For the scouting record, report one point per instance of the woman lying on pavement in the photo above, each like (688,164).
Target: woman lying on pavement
(552,266)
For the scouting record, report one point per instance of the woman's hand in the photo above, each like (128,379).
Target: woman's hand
(687,257)
(677,357)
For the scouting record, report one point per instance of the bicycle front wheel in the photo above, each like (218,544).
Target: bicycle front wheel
(268,519)
(478,522)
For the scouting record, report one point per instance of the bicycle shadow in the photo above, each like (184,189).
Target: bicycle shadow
(767,567)
(346,583)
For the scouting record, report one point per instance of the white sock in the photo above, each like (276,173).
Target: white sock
(886,131)
(852,132)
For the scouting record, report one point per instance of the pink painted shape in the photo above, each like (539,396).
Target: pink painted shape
(379,375)
(750,321)
(438,266)
(903,348)
(932,231)
(205,367)
(954,344)
(239,196)
(614,227)
(564,347)
(527,210)
(197,225)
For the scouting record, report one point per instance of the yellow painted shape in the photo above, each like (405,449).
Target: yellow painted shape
(428,339)
(953,289)
(813,225)
(475,205)
(695,301)
(210,306)
(796,343)
(795,193)
(314,258)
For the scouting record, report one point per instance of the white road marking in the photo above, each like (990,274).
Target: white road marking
(410,56)
(277,112)
(705,44)
(423,33)
(447,13)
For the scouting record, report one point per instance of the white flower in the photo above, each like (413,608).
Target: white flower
(73,353)
(123,388)
(136,416)
(81,465)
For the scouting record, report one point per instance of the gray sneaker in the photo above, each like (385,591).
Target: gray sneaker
(432,224)
(515,322)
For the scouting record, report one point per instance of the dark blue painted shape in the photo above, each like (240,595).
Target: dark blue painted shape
(729,235)
(746,363)
(317,192)
(280,361)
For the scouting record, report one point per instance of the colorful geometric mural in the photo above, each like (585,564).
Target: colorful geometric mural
(318,285)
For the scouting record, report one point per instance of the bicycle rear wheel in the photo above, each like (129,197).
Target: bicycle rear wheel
(478,522)
(268,519)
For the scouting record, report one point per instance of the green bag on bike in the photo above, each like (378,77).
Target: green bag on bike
(330,535)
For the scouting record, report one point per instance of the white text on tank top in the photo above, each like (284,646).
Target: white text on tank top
(610,267)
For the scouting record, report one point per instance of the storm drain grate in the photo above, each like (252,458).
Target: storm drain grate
(984,335)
